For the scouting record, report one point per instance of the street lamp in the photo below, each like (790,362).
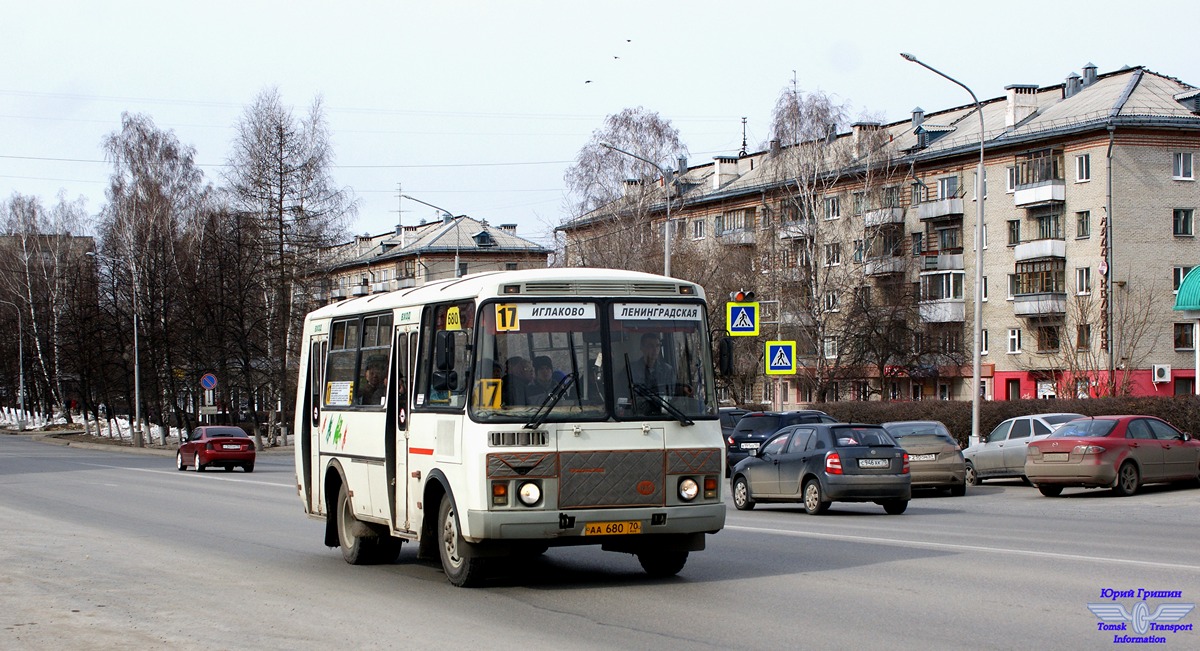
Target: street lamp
(447,213)
(979,189)
(137,368)
(668,179)
(20,364)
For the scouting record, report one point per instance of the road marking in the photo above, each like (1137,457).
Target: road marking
(189,470)
(968,548)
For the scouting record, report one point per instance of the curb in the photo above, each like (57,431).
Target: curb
(53,438)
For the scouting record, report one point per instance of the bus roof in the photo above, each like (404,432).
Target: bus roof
(549,282)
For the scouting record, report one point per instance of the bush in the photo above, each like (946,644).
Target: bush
(1181,411)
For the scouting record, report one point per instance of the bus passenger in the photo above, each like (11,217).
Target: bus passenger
(516,381)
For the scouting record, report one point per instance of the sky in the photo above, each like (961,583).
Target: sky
(479,107)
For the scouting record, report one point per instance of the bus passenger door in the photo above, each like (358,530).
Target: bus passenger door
(310,438)
(404,349)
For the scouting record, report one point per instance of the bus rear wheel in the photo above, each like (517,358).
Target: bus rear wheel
(461,569)
(357,549)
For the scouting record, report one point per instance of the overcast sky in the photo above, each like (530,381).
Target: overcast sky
(478,107)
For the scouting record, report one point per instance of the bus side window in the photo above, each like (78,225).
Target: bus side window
(449,351)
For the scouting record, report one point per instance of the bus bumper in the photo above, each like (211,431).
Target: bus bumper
(566,527)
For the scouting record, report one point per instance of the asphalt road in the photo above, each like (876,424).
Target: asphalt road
(108,549)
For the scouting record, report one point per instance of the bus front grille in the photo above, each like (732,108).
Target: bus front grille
(611,478)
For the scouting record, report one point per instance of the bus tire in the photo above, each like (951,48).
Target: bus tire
(356,549)
(462,570)
(387,549)
(662,564)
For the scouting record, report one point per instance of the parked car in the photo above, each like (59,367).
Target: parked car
(821,463)
(729,419)
(757,426)
(1118,452)
(1002,453)
(935,459)
(216,445)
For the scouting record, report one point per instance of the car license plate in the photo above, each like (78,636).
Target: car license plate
(1055,456)
(231,446)
(874,463)
(750,446)
(612,528)
(922,457)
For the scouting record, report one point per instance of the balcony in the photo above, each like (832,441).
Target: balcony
(1038,249)
(1038,305)
(945,310)
(884,266)
(338,294)
(358,290)
(883,216)
(1038,194)
(942,262)
(940,208)
(796,229)
(736,238)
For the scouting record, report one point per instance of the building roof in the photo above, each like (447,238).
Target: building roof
(462,234)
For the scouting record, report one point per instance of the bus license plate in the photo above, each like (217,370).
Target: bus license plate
(612,528)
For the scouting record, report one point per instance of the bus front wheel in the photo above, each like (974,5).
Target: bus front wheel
(461,569)
(663,563)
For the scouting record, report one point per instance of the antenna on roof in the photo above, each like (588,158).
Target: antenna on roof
(743,152)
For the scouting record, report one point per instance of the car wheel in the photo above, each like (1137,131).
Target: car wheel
(179,464)
(662,564)
(741,494)
(814,499)
(1127,480)
(248,467)
(1049,490)
(958,490)
(895,507)
(356,548)
(196,465)
(462,570)
(973,478)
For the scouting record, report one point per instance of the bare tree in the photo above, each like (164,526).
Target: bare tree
(279,173)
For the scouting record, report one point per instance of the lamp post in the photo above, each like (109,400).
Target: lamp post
(448,214)
(20,364)
(979,190)
(668,179)
(137,368)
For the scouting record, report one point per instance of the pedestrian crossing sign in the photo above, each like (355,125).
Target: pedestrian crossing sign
(781,358)
(741,319)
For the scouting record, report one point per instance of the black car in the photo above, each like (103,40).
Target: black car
(757,426)
(729,419)
(823,463)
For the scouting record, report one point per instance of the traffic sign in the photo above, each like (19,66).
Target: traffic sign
(781,358)
(741,319)
(208,381)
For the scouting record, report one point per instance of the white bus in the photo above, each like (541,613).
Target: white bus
(517,411)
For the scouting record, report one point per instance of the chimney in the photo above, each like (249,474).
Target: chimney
(862,137)
(509,228)
(724,170)
(775,147)
(1022,103)
(1073,85)
(631,185)
(918,117)
(681,165)
(831,134)
(1089,74)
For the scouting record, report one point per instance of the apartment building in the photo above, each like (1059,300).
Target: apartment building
(1089,227)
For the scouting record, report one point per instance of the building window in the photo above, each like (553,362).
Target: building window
(1181,223)
(983,295)
(858,201)
(1049,225)
(1182,166)
(1047,338)
(462,269)
(1177,276)
(1012,286)
(833,254)
(831,301)
(1010,182)
(698,229)
(1014,232)
(1185,336)
(919,193)
(1014,340)
(769,391)
(941,286)
(1042,277)
(948,187)
(918,243)
(510,266)
(891,197)
(1083,168)
(1083,224)
(1083,336)
(833,207)
(831,347)
(983,342)
(858,250)
(1083,280)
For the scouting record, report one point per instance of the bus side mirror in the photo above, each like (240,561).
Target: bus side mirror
(725,357)
(443,350)
(445,380)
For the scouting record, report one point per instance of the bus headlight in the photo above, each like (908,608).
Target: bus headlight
(529,493)
(688,489)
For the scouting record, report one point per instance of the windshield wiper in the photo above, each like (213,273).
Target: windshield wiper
(647,392)
(552,398)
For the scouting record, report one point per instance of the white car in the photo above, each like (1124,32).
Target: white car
(1002,453)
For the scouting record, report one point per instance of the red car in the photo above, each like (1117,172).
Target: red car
(1117,452)
(216,445)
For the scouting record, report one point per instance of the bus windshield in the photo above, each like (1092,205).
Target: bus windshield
(587,360)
